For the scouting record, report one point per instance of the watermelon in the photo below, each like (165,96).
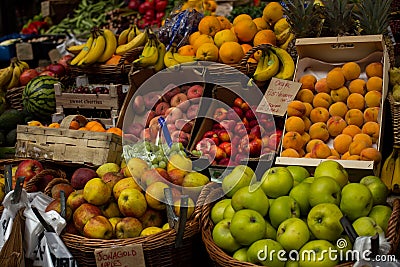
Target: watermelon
(38,97)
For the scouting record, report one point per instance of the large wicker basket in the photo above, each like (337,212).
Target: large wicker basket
(220,258)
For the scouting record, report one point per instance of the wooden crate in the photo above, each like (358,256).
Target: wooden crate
(68,146)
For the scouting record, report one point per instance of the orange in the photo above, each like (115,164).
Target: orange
(115,130)
(114,60)
(246,48)
(261,24)
(245,30)
(74,125)
(264,37)
(241,17)
(209,25)
(231,53)
(193,37)
(202,39)
(54,125)
(207,52)
(272,12)
(92,124)
(186,50)
(224,36)
(225,23)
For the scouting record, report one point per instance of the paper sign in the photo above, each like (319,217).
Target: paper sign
(277,97)
(24,51)
(125,256)
(45,8)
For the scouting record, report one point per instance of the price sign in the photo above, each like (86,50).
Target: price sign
(125,256)
(24,51)
(277,97)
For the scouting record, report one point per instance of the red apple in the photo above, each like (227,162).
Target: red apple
(195,91)
(81,176)
(172,114)
(161,108)
(228,125)
(135,128)
(184,89)
(217,126)
(223,162)
(145,135)
(223,136)
(213,136)
(220,114)
(27,75)
(274,140)
(253,123)
(255,147)
(57,69)
(178,99)
(255,131)
(238,102)
(219,153)
(169,91)
(250,115)
(64,61)
(28,168)
(138,105)
(192,111)
(47,73)
(245,107)
(187,127)
(227,147)
(240,129)
(149,115)
(151,99)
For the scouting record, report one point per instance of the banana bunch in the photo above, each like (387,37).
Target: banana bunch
(172,57)
(390,173)
(99,48)
(274,62)
(9,76)
(131,38)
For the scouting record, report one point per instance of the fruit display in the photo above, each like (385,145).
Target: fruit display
(291,212)
(394,79)
(10,76)
(151,13)
(336,116)
(390,172)
(89,90)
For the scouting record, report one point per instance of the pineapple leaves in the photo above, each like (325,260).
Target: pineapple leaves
(373,16)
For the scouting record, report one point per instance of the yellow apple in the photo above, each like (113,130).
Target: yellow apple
(110,210)
(122,184)
(107,167)
(131,202)
(190,207)
(97,192)
(178,161)
(128,227)
(155,195)
(137,167)
(151,230)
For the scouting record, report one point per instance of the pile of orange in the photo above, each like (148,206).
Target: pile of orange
(93,126)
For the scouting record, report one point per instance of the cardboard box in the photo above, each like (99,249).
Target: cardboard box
(317,56)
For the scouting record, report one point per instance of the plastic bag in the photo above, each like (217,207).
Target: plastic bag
(56,254)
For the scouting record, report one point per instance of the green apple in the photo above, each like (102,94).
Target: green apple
(366,226)
(276,182)
(283,208)
(356,200)
(247,226)
(332,169)
(252,198)
(378,189)
(291,263)
(315,253)
(300,193)
(239,177)
(228,212)
(240,254)
(324,221)
(324,189)
(292,234)
(266,252)
(381,214)
(271,200)
(309,180)
(342,245)
(270,231)
(299,173)
(223,238)
(217,211)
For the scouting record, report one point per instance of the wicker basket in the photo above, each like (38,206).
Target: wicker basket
(395,115)
(220,258)
(34,184)
(14,97)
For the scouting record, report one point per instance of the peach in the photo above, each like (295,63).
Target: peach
(308,81)
(290,152)
(374,83)
(356,147)
(307,155)
(319,130)
(307,123)
(363,137)
(345,155)
(351,130)
(306,137)
(374,69)
(333,157)
(321,86)
(356,101)
(292,140)
(354,117)
(295,124)
(357,86)
(322,100)
(351,71)
(372,129)
(321,151)
(342,142)
(340,94)
(371,114)
(338,109)
(296,108)
(372,154)
(301,152)
(335,78)
(353,157)
(305,95)
(310,145)
(373,99)
(309,107)
(336,125)
(319,114)
(334,153)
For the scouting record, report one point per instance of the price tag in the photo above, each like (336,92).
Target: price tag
(54,55)
(125,256)
(45,8)
(24,51)
(277,97)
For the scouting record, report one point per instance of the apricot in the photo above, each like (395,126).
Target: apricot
(372,154)
(307,123)
(351,71)
(363,137)
(322,100)
(321,86)
(306,137)
(351,130)
(295,124)
(356,147)
(320,131)
(342,142)
(373,99)
(292,140)
(371,114)
(335,78)
(356,101)
(333,157)
(309,107)
(290,153)
(353,157)
(308,81)
(345,156)
(340,94)
(305,95)
(307,155)
(319,114)
(372,129)
(321,151)
(374,84)
(296,108)
(336,125)
(374,69)
(354,117)
(310,145)
(334,153)
(357,86)
(301,152)
(338,109)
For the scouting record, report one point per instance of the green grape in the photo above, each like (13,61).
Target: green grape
(175,147)
(160,157)
(155,160)
(147,146)
(162,164)
(183,153)
(153,166)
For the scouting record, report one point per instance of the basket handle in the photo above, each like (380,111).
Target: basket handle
(66,122)
(254,49)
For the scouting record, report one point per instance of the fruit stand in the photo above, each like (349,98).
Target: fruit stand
(201,133)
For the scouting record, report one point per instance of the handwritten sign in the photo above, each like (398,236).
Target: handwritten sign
(277,97)
(125,256)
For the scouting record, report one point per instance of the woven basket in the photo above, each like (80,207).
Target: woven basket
(220,258)
(395,110)
(159,249)
(14,97)
(34,184)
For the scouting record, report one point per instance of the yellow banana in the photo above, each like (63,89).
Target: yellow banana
(287,42)
(14,82)
(133,33)
(169,59)
(260,64)
(6,76)
(149,55)
(271,67)
(283,36)
(396,176)
(161,53)
(388,169)
(95,51)
(111,45)
(84,51)
(287,66)
(75,49)
(139,40)
(183,59)
(23,65)
(123,37)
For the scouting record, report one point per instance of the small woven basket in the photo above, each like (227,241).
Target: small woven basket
(395,115)
(220,258)
(34,184)
(14,97)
